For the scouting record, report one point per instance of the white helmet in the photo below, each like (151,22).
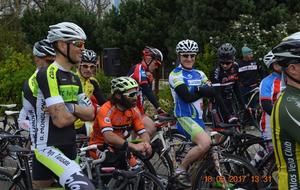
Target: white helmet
(43,48)
(187,46)
(65,31)
(269,58)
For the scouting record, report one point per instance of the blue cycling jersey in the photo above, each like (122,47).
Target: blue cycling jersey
(192,79)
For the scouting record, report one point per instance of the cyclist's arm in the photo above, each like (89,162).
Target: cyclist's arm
(147,91)
(183,92)
(98,92)
(238,94)
(139,126)
(84,113)
(113,139)
(60,116)
(267,106)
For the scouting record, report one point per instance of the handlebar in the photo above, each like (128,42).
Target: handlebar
(222,84)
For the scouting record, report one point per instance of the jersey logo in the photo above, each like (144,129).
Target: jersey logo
(294,119)
(106,120)
(51,72)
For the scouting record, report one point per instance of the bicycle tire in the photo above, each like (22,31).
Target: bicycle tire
(7,182)
(234,168)
(146,163)
(267,168)
(251,144)
(140,182)
(163,166)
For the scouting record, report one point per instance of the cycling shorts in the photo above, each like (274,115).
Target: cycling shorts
(57,162)
(190,127)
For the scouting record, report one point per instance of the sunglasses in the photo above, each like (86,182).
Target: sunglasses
(131,94)
(225,63)
(188,55)
(79,44)
(88,66)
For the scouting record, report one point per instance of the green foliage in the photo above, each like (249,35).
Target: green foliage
(35,22)
(165,98)
(15,68)
(104,82)
(206,60)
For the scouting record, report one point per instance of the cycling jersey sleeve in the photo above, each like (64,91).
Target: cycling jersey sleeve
(103,119)
(292,124)
(238,94)
(98,92)
(147,91)
(183,92)
(138,125)
(267,106)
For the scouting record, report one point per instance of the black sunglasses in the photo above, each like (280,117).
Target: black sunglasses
(188,55)
(225,63)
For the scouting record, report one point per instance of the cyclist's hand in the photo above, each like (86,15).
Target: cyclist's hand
(160,111)
(148,148)
(140,147)
(84,101)
(24,124)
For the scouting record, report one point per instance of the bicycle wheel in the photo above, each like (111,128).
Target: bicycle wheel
(163,166)
(7,183)
(236,173)
(250,145)
(145,163)
(268,170)
(143,181)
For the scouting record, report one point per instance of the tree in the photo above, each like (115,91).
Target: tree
(35,22)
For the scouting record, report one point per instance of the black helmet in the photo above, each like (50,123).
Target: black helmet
(288,51)
(154,53)
(43,48)
(89,56)
(226,52)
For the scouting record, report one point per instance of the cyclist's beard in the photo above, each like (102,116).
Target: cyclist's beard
(126,103)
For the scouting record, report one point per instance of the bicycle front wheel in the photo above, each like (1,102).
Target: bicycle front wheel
(235,173)
(7,182)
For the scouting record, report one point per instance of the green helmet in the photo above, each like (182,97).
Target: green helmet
(123,84)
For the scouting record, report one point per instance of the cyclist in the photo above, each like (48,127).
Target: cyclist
(44,54)
(90,86)
(248,72)
(143,74)
(188,86)
(269,91)
(226,71)
(285,118)
(60,101)
(117,117)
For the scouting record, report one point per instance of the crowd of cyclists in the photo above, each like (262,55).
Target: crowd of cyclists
(59,103)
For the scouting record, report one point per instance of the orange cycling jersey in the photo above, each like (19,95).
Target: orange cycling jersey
(110,118)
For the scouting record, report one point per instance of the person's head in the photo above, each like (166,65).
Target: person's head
(152,57)
(247,53)
(187,51)
(124,92)
(287,55)
(87,66)
(226,55)
(271,63)
(68,41)
(43,53)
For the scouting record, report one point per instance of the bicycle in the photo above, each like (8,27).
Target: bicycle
(119,179)
(7,125)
